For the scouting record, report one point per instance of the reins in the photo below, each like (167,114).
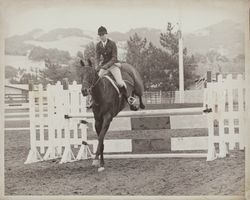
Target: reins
(92,86)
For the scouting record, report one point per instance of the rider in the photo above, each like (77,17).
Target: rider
(107,49)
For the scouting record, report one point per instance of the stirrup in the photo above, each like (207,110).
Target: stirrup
(131,100)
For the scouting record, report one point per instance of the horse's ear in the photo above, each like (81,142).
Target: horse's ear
(82,63)
(89,63)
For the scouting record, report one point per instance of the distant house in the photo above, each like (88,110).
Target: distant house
(16,93)
(16,89)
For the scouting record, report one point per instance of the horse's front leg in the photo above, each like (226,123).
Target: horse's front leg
(105,125)
(98,128)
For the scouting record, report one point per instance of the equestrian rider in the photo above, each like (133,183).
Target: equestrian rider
(107,49)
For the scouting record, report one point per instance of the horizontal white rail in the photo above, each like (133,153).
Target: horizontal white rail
(15,114)
(23,107)
(148,113)
(17,129)
(160,155)
(17,119)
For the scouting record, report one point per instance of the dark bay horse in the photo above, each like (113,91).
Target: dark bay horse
(107,102)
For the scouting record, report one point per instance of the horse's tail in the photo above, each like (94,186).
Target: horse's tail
(139,88)
(138,83)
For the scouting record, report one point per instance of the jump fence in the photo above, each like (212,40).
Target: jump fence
(56,131)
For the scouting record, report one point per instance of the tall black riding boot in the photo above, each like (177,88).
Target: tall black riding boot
(123,91)
(128,98)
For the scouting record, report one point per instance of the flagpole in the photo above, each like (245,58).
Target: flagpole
(181,70)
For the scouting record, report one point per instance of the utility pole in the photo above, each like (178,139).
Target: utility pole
(247,80)
(181,71)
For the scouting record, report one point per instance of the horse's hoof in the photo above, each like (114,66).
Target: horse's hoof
(96,163)
(100,169)
(133,107)
(142,106)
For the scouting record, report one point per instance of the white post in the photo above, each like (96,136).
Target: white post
(247,99)
(52,152)
(68,155)
(181,71)
(34,155)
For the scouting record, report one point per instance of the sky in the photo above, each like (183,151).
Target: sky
(118,15)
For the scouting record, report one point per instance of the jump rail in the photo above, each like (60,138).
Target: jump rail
(148,113)
(158,155)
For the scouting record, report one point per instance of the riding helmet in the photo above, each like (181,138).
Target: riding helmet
(102,30)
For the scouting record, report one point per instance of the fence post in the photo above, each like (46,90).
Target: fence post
(231,120)
(52,151)
(68,155)
(34,155)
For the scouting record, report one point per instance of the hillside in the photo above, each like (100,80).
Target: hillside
(221,37)
(60,33)
(226,37)
(151,34)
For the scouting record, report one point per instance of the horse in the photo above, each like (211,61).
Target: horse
(107,101)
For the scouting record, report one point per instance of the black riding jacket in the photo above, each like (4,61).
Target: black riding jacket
(109,54)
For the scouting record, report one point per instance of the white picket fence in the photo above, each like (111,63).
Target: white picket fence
(172,97)
(227,121)
(50,134)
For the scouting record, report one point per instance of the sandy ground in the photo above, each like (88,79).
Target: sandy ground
(121,177)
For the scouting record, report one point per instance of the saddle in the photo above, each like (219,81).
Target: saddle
(112,80)
(131,100)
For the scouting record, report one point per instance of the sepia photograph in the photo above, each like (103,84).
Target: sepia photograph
(125,99)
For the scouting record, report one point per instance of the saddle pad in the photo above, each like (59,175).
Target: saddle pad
(113,83)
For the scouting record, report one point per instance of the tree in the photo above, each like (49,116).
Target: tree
(156,66)
(190,75)
(136,47)
(156,61)
(79,54)
(170,42)
(10,72)
(89,53)
(27,77)
(54,72)
(54,55)
(216,60)
(200,58)
(76,68)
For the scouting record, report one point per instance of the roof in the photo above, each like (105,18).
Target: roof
(24,87)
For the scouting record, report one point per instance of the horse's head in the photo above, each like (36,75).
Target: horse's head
(88,77)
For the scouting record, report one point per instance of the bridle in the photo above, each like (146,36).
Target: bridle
(90,88)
